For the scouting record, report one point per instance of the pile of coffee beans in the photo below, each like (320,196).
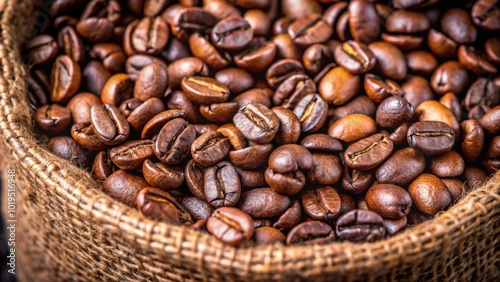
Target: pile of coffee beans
(294,121)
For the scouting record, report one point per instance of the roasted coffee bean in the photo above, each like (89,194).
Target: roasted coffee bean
(492,49)
(258,55)
(41,49)
(378,89)
(53,118)
(321,142)
(268,235)
(135,63)
(450,77)
(309,30)
(485,14)
(236,138)
(251,157)
(94,77)
(289,158)
(364,22)
(190,20)
(124,187)
(290,218)
(285,183)
(369,152)
(492,160)
(394,226)
(285,46)
(210,148)
(429,194)
(474,60)
(112,56)
(129,105)
(149,36)
(417,90)
(316,57)
(80,106)
(66,148)
(482,92)
(474,176)
(441,45)
(431,137)
(153,8)
(457,24)
(132,154)
(398,135)
(434,111)
(202,48)
(117,89)
(152,81)
(219,113)
(263,203)
(281,70)
(326,169)
(232,33)
(290,128)
(390,60)
(185,67)
(193,174)
(179,101)
(312,111)
(109,124)
(159,205)
(204,90)
(473,139)
(393,112)
(174,141)
(491,121)
(162,176)
(456,187)
(420,61)
(222,185)
(292,90)
(65,79)
(251,178)
(144,113)
(388,200)
(401,168)
(255,95)
(221,9)
(154,125)
(230,225)
(257,123)
(452,102)
(97,20)
(355,57)
(84,134)
(335,92)
(311,233)
(236,80)
(103,167)
(358,105)
(360,226)
(352,128)
(321,203)
(199,209)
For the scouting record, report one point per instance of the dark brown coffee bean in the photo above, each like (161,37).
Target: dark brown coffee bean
(472,139)
(221,9)
(474,60)
(309,30)
(355,57)
(326,169)
(149,36)
(492,160)
(154,7)
(390,60)
(53,118)
(289,158)
(431,137)
(159,205)
(417,90)
(178,101)
(152,81)
(441,45)
(251,178)
(364,22)
(236,80)
(219,113)
(109,124)
(257,123)
(421,61)
(429,194)
(94,77)
(236,138)
(103,167)
(290,129)
(290,218)
(255,95)
(456,187)
(129,105)
(84,134)
(222,185)
(492,49)
(450,77)
(457,24)
(474,176)
(360,226)
(312,111)
(338,93)
(491,121)
(230,225)
(369,152)
(117,89)
(401,168)
(232,34)
(257,56)
(174,141)
(378,89)
(185,67)
(139,117)
(65,79)
(268,235)
(111,55)
(287,183)
(263,203)
(162,176)
(41,49)
(154,125)
(393,112)
(98,20)
(452,102)
(485,14)
(80,106)
(394,226)
(482,92)
(358,105)
(321,142)
(356,181)
(292,90)
(321,203)
(204,90)
(124,187)
(285,46)
(352,128)
(251,157)
(190,20)
(202,48)
(135,63)
(281,70)
(388,200)
(198,208)
(131,155)
(449,164)
(210,148)
(193,173)
(311,233)
(68,149)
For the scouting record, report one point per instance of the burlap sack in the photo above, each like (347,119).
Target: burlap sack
(68,230)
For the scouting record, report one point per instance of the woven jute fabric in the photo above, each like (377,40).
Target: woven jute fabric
(68,230)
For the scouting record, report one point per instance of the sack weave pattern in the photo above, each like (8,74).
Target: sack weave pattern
(70,231)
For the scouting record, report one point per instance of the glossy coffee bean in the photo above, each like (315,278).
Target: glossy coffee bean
(312,111)
(431,137)
(281,70)
(185,67)
(237,80)
(388,200)
(190,20)
(251,157)
(369,152)
(450,77)
(124,187)
(41,49)
(230,225)
(135,63)
(94,77)
(174,141)
(198,208)
(204,90)
(390,60)
(258,55)
(311,233)
(109,124)
(290,218)
(193,174)
(292,90)
(219,113)
(202,48)
(378,89)
(162,176)
(84,134)
(117,89)
(103,167)
(80,106)
(152,81)
(263,203)
(210,148)
(474,60)
(485,14)
(449,164)
(338,93)
(457,24)
(155,124)
(482,92)
(360,226)
(268,235)
(111,55)
(65,79)
(285,183)
(358,105)
(131,155)
(290,127)
(393,112)
(255,95)
(491,121)
(290,158)
(257,123)
(53,118)
(309,30)
(159,205)
(222,185)
(417,90)
(232,34)
(321,203)
(422,62)
(179,101)
(402,167)
(352,128)
(394,226)
(364,22)
(150,36)
(68,149)
(429,194)
(355,57)
(472,139)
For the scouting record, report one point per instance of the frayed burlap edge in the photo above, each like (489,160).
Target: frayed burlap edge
(69,231)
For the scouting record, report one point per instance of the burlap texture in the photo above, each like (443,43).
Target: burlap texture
(69,230)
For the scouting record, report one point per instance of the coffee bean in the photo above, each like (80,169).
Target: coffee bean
(457,24)
(150,36)
(152,81)
(285,47)
(80,106)
(185,67)
(449,164)
(417,90)
(255,95)
(124,187)
(452,102)
(355,57)
(338,93)
(210,148)
(429,194)
(482,92)
(117,89)
(473,139)
(159,205)
(179,101)
(263,203)
(393,112)
(289,158)
(109,124)
(237,80)
(431,137)
(420,61)
(94,77)
(66,148)
(41,49)
(65,79)
(364,22)
(474,60)
(360,226)
(394,226)
(53,118)
(352,128)
(312,111)
(193,174)
(112,56)
(204,90)
(321,203)
(222,185)
(491,121)
(285,183)
(401,168)
(390,60)
(131,155)
(202,48)
(309,30)
(326,169)
(190,20)
(103,167)
(84,134)
(485,14)
(388,200)
(154,125)
(257,123)
(356,181)
(369,152)
(268,235)
(258,55)
(311,233)
(292,90)
(251,157)
(450,77)
(281,70)
(162,176)
(199,209)
(135,63)
(230,225)
(174,141)
(232,34)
